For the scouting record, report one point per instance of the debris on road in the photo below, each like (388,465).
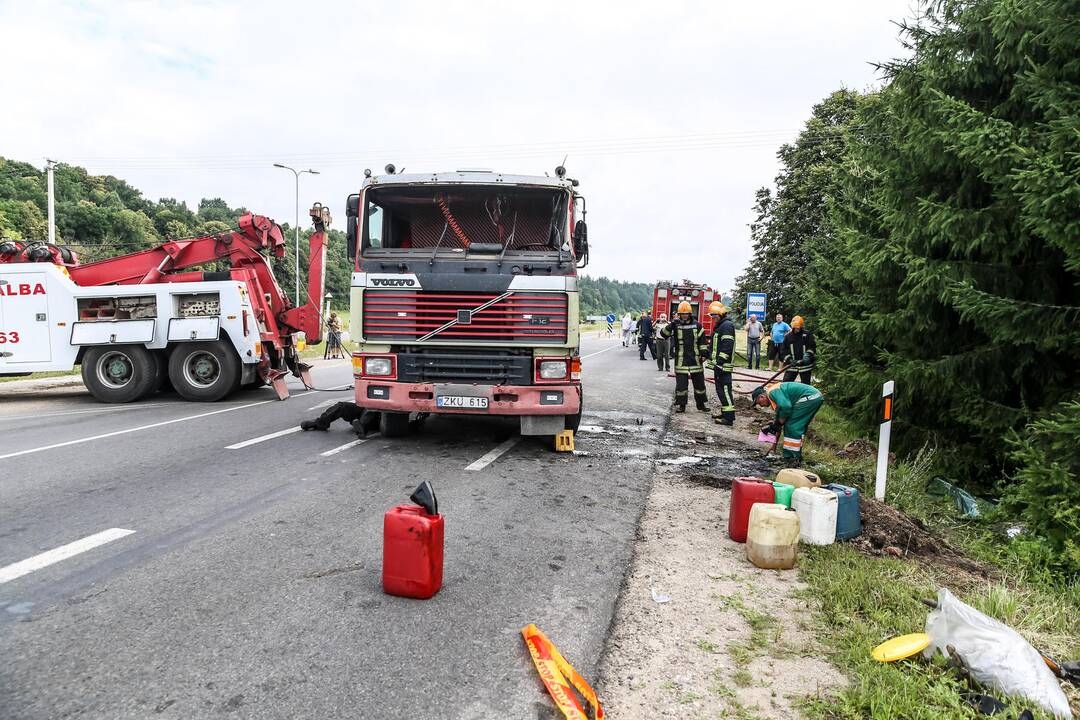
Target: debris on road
(554,670)
(659,597)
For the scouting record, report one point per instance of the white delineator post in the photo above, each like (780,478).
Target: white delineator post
(884,435)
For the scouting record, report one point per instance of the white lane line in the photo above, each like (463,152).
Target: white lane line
(346,446)
(492,456)
(63,413)
(263,438)
(600,351)
(138,428)
(25,567)
(324,403)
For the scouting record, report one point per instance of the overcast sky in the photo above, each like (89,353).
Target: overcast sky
(671,112)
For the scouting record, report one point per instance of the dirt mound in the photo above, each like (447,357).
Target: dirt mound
(857,449)
(724,483)
(888,531)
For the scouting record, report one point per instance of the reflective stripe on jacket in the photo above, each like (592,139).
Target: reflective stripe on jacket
(722,345)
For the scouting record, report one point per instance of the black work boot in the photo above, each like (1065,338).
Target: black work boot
(680,408)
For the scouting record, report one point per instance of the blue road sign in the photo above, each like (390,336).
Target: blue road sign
(755,305)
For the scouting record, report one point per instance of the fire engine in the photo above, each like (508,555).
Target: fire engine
(465,297)
(667,296)
(138,322)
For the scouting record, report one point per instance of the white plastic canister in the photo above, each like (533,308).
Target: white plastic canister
(816,508)
(772,536)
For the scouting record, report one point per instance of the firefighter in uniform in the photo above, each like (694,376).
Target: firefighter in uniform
(721,355)
(795,405)
(797,352)
(688,345)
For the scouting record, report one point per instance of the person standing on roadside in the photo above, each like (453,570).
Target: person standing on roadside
(663,345)
(645,335)
(798,351)
(721,356)
(754,332)
(627,329)
(688,338)
(776,340)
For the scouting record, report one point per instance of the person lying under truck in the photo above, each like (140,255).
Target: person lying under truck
(362,421)
(795,405)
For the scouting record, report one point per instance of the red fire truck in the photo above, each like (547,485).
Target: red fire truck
(667,296)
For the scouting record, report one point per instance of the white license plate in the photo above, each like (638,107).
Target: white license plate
(458,401)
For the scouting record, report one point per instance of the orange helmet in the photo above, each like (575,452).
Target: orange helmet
(717,308)
(797,322)
(685,307)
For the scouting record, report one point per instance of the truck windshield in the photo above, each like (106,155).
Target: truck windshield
(475,218)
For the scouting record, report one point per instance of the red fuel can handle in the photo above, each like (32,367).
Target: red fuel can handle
(412,552)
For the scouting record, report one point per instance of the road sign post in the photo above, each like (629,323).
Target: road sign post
(884,435)
(755,305)
(611,324)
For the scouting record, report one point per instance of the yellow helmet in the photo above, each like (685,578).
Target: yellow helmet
(685,307)
(717,308)
(797,321)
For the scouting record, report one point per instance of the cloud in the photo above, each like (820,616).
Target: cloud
(193,100)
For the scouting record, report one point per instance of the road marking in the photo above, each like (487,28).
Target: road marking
(346,446)
(263,438)
(492,456)
(600,351)
(25,567)
(324,403)
(61,413)
(134,429)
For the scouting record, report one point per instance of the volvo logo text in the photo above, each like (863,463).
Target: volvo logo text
(393,282)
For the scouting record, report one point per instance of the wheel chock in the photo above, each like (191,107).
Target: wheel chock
(564,441)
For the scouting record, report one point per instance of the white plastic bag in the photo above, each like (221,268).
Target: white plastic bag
(997,655)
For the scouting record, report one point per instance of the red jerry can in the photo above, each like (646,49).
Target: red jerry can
(745,491)
(413,548)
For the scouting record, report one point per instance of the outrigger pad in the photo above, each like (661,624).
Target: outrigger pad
(424,496)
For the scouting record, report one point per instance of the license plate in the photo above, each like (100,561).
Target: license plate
(458,401)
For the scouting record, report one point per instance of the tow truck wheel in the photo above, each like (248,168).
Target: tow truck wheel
(204,371)
(120,373)
(394,424)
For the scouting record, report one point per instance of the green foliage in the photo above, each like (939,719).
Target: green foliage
(103,216)
(793,224)
(1046,494)
(601,296)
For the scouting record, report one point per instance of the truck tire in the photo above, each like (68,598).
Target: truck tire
(120,373)
(573,422)
(204,371)
(394,424)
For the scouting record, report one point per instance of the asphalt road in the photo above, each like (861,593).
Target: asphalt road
(248,583)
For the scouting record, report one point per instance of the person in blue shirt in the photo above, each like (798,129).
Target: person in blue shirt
(776,340)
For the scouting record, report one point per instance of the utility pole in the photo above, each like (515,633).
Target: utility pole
(296,175)
(49,165)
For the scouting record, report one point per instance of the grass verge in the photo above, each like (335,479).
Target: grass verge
(865,600)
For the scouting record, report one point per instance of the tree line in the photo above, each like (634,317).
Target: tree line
(100,216)
(929,232)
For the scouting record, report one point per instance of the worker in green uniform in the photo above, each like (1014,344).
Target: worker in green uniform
(688,344)
(720,355)
(795,405)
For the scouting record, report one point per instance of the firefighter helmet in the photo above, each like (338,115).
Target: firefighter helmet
(797,322)
(685,307)
(717,308)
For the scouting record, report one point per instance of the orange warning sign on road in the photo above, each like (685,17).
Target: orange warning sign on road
(554,671)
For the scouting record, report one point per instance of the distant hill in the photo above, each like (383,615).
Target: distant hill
(102,216)
(599,296)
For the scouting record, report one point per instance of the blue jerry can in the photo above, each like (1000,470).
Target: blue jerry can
(848,520)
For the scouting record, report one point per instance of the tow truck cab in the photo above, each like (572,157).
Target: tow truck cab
(464,297)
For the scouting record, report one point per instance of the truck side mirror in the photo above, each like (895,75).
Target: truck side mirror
(352,212)
(581,243)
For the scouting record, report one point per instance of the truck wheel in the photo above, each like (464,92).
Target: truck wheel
(205,371)
(573,422)
(394,424)
(121,373)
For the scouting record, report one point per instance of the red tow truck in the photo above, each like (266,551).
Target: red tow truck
(166,315)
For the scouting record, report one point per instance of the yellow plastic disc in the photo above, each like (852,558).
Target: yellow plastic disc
(901,647)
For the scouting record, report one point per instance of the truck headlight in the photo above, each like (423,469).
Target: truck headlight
(378,366)
(552,369)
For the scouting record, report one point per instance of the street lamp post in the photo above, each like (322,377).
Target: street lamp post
(296,174)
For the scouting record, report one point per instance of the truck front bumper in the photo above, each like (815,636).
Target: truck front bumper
(559,399)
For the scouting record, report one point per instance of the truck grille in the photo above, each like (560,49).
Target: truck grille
(529,318)
(500,368)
